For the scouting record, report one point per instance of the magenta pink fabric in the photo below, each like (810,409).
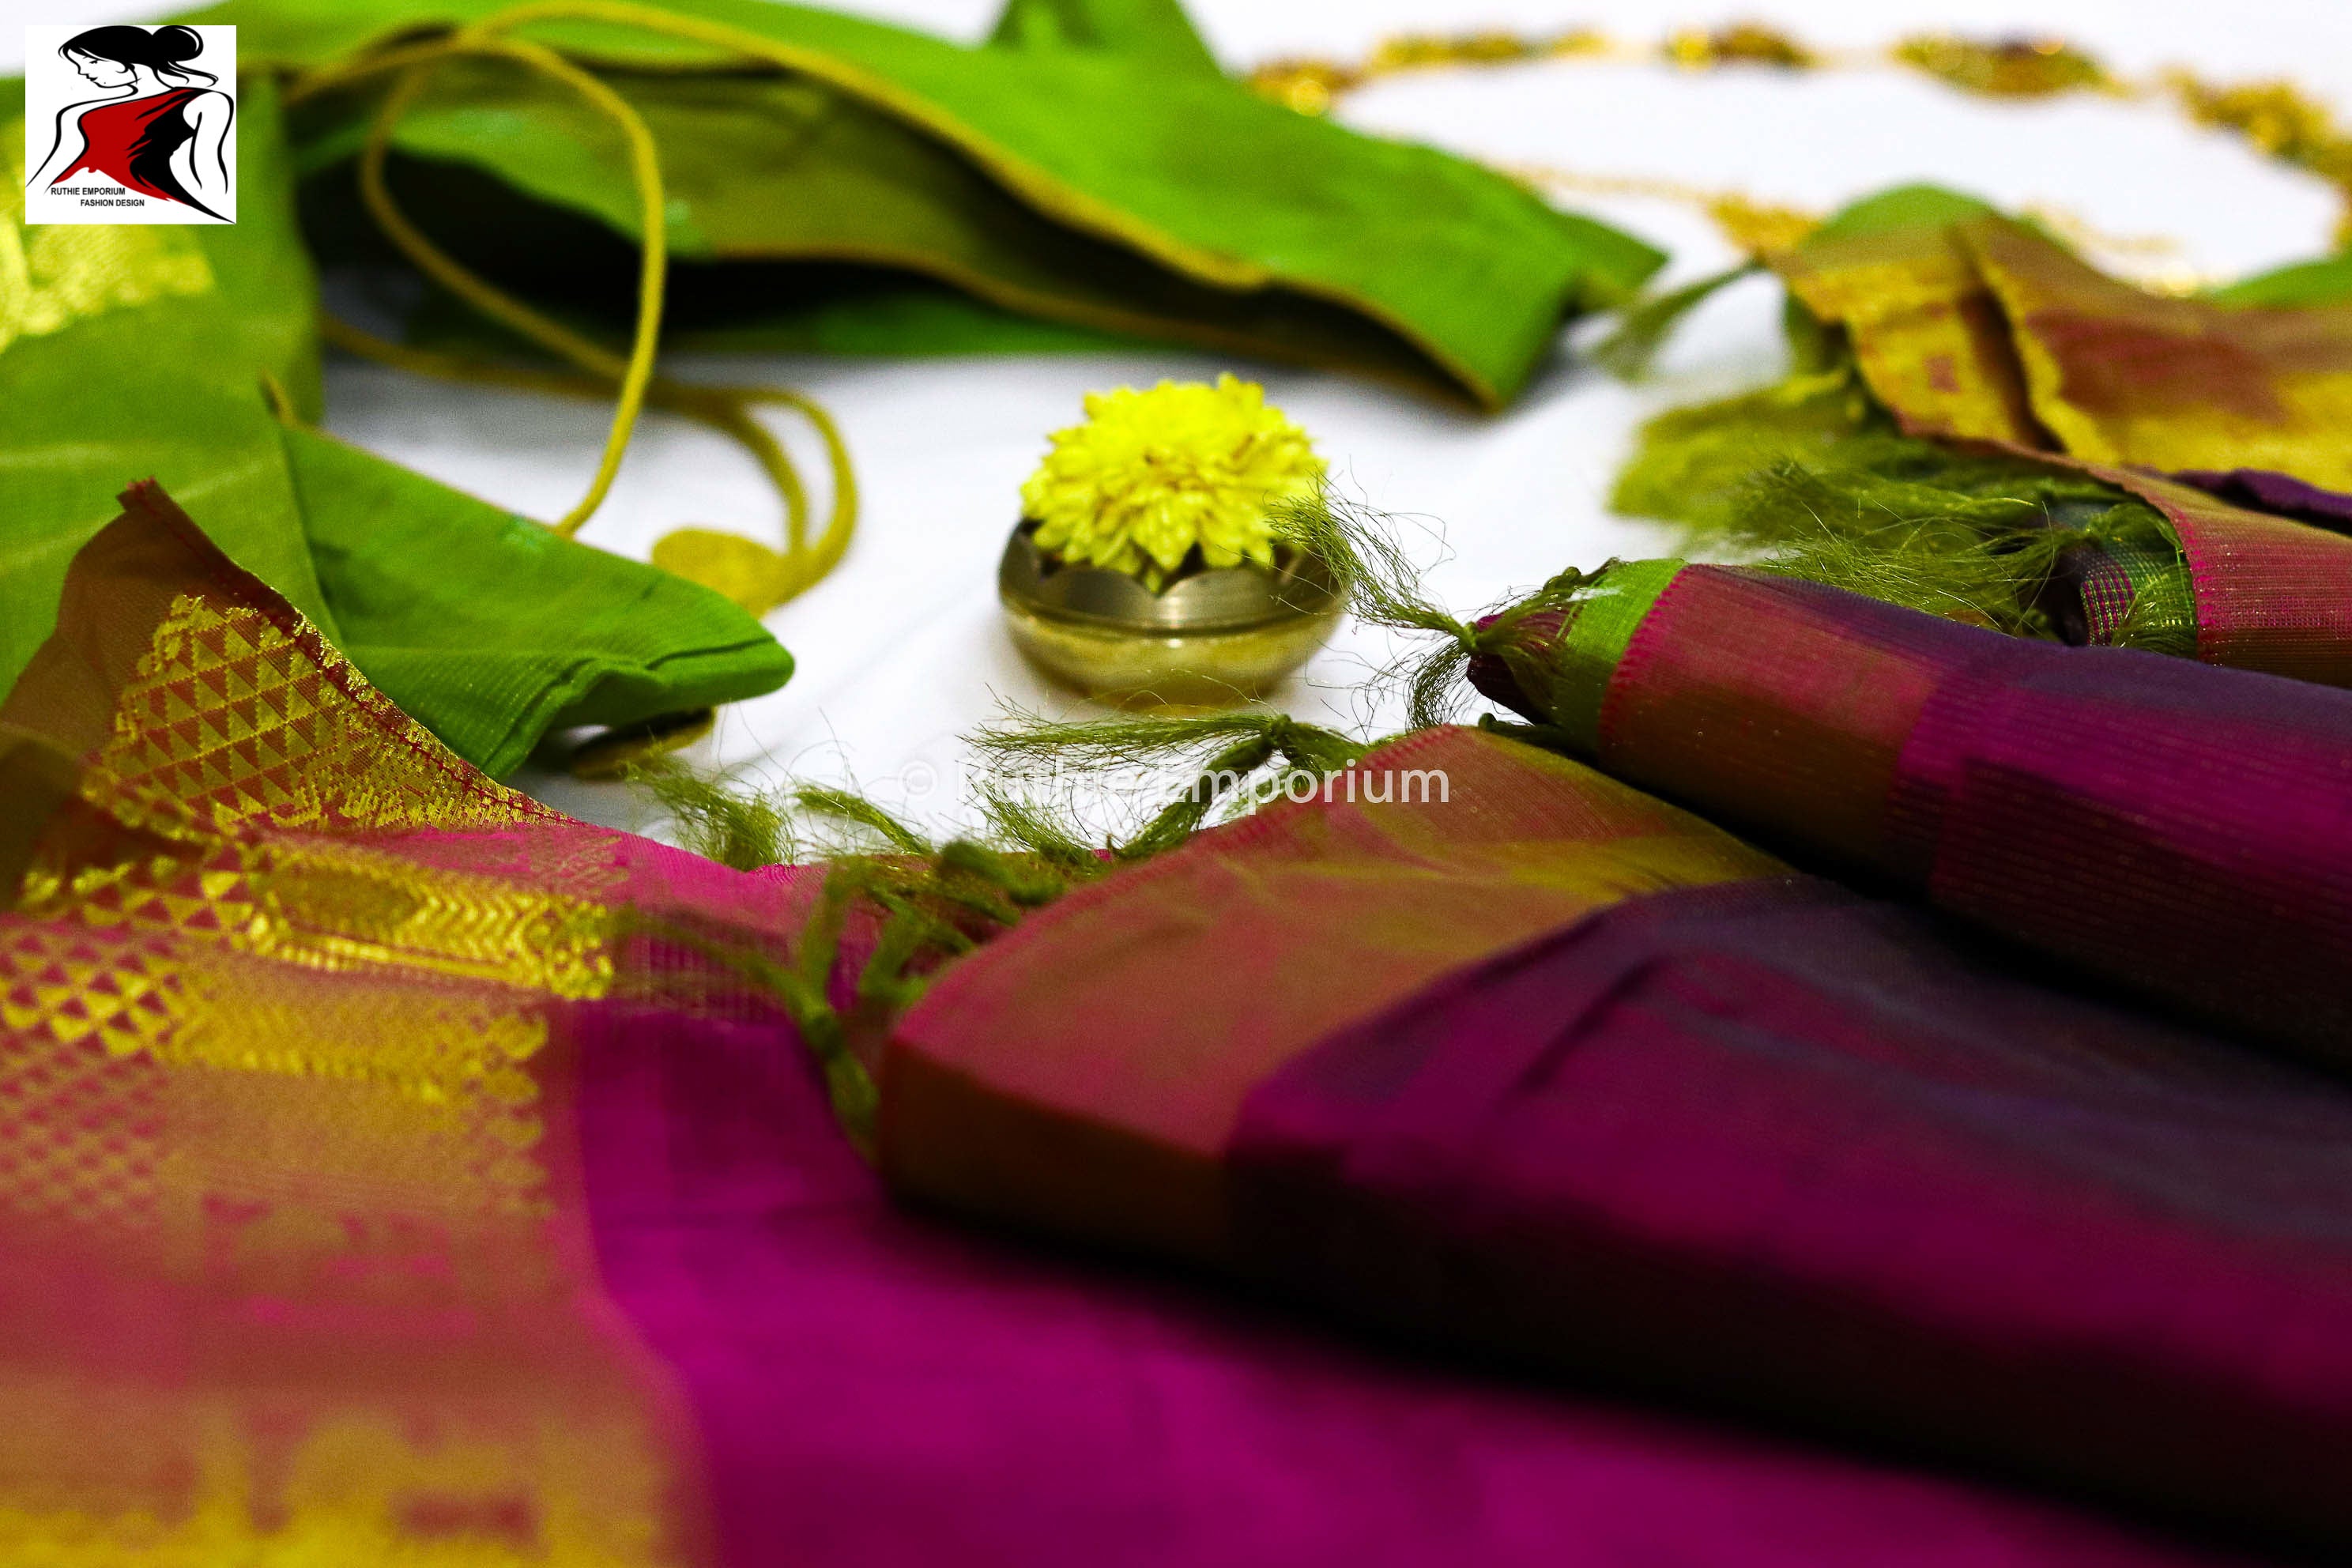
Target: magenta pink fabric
(2181,828)
(1779,1146)
(876,1390)
(2186,829)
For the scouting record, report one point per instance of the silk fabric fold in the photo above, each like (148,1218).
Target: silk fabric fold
(2175,826)
(1708,1126)
(393,1175)
(1968,325)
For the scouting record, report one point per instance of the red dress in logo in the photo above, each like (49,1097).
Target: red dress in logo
(114,135)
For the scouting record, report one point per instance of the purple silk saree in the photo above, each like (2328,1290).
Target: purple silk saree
(1730,1132)
(2183,830)
(390,1172)
(871,1386)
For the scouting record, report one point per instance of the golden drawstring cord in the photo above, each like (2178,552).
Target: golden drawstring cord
(1760,229)
(756,577)
(719,409)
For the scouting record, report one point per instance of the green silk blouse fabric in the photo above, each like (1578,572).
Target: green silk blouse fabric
(142,353)
(1087,166)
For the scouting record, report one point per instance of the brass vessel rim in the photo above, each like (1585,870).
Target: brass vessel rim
(1217,599)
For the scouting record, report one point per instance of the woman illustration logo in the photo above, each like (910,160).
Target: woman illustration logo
(158,135)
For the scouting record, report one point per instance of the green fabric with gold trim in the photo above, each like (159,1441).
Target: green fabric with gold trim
(1087,166)
(132,352)
(1979,424)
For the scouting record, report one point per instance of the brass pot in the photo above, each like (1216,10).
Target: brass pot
(1210,639)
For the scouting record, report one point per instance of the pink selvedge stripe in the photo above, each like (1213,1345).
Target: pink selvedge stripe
(2272,594)
(2185,829)
(1779,706)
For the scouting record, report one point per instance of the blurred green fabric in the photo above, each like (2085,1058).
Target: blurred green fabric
(99,391)
(1088,177)
(141,353)
(2325,282)
(1089,165)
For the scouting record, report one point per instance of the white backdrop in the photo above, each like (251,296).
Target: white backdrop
(900,650)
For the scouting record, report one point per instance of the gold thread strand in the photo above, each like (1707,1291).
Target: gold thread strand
(705,407)
(1762,229)
(2280,120)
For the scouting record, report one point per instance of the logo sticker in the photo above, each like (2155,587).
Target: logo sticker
(128,124)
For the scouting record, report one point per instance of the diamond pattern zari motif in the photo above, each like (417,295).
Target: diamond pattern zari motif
(234,724)
(276,1003)
(65,986)
(239,719)
(79,1138)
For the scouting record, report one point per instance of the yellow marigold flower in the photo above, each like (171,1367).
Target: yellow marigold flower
(1151,474)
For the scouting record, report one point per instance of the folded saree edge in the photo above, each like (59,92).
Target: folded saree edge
(1003,1095)
(152,592)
